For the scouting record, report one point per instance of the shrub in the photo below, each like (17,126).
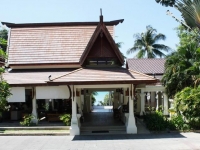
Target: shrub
(27,120)
(156,121)
(4,92)
(177,122)
(187,104)
(66,118)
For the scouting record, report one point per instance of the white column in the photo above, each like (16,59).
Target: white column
(131,127)
(157,101)
(34,106)
(166,112)
(74,128)
(121,98)
(142,102)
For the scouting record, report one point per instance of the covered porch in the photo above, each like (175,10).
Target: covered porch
(76,87)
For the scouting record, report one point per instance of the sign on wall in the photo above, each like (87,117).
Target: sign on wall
(18,94)
(52,92)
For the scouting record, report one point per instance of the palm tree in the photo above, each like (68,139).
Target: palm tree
(189,9)
(147,44)
(182,69)
(166,2)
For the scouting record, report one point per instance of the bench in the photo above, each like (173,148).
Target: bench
(53,117)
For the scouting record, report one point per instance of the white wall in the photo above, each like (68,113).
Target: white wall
(18,94)
(52,92)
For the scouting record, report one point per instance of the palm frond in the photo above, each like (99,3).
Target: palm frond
(140,54)
(133,49)
(159,37)
(158,53)
(161,47)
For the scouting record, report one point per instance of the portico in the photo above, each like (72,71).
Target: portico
(89,62)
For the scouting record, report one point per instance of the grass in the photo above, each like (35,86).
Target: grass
(34,132)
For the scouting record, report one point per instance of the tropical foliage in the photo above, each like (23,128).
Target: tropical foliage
(27,120)
(66,118)
(189,9)
(3,39)
(182,67)
(4,92)
(93,97)
(187,104)
(146,44)
(155,121)
(4,86)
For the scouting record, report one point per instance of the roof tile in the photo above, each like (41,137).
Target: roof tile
(147,66)
(49,44)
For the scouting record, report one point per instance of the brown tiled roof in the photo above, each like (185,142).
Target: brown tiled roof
(147,66)
(54,44)
(103,75)
(32,77)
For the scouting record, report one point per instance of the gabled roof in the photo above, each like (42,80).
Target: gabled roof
(103,76)
(49,44)
(101,29)
(147,65)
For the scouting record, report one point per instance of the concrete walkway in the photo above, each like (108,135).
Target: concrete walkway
(168,141)
(141,127)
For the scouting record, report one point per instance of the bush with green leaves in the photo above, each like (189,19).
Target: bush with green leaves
(187,104)
(66,118)
(177,123)
(27,120)
(156,121)
(4,92)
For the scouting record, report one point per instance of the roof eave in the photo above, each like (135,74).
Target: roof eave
(21,25)
(101,82)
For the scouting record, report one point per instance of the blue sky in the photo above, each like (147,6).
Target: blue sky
(137,14)
(100,96)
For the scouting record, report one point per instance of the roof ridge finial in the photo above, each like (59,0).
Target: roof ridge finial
(101,16)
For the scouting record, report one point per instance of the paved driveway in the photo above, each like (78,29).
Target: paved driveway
(166,141)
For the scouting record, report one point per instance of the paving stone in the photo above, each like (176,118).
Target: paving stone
(168,141)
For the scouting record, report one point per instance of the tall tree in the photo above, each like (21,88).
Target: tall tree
(106,99)
(3,39)
(147,46)
(182,67)
(189,9)
(4,93)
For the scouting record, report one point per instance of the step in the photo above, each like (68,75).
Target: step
(102,133)
(36,128)
(103,127)
(103,130)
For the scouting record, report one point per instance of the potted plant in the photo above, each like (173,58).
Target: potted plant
(66,118)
